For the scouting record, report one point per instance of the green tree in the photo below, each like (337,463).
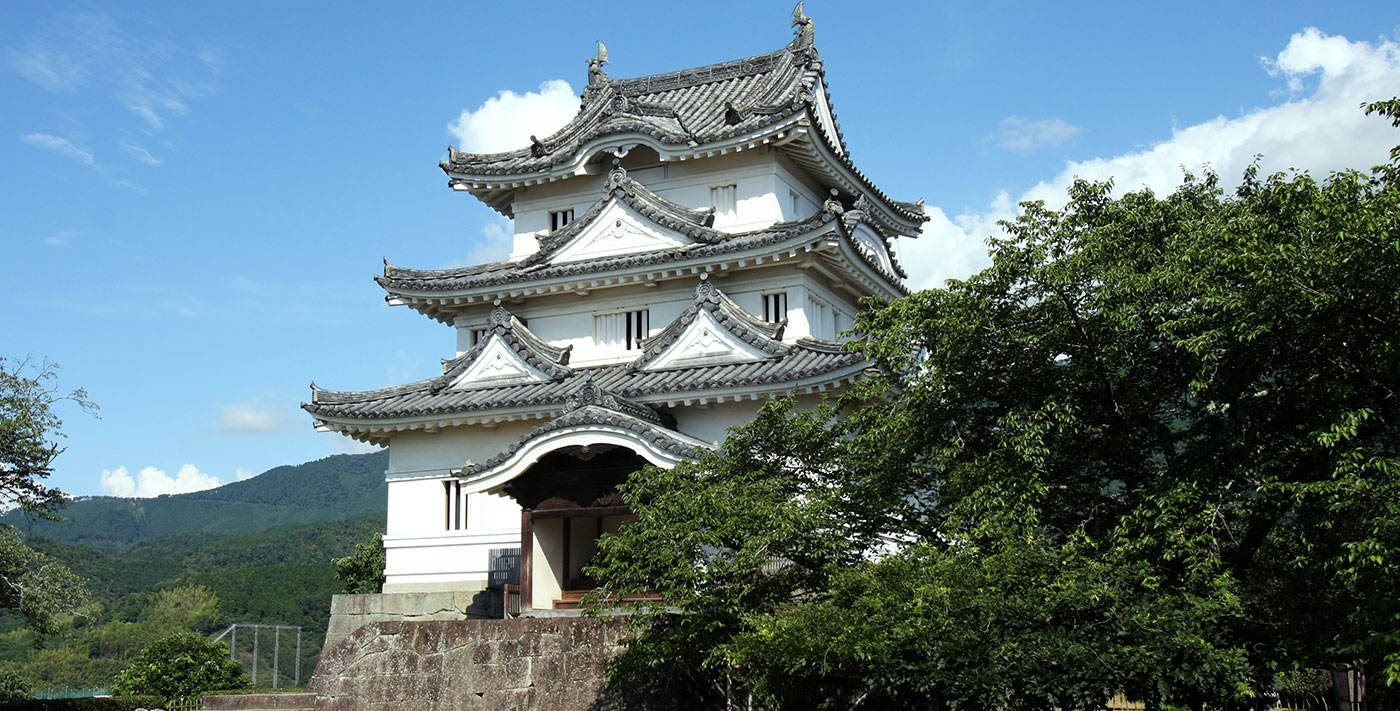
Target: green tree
(1155,448)
(184,607)
(33,584)
(180,667)
(363,570)
(31,431)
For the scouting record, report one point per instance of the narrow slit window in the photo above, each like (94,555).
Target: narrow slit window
(456,505)
(775,306)
(559,218)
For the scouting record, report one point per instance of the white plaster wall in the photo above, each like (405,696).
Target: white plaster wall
(425,563)
(434,454)
(760,192)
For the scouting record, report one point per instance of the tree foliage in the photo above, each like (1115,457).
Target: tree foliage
(1154,448)
(180,667)
(363,570)
(30,432)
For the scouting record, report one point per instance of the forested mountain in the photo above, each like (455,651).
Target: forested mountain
(334,488)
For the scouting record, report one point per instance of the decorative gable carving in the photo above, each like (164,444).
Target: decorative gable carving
(705,342)
(617,231)
(497,364)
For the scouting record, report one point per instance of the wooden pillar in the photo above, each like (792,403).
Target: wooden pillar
(568,541)
(527,556)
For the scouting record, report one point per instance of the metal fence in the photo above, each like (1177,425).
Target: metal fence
(248,645)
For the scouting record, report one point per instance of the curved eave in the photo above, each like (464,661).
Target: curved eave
(445,304)
(525,453)
(380,430)
(498,191)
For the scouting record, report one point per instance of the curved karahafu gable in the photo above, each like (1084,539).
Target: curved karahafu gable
(781,98)
(590,414)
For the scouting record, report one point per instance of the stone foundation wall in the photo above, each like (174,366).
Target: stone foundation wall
(350,612)
(489,665)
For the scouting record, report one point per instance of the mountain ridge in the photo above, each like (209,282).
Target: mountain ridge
(336,487)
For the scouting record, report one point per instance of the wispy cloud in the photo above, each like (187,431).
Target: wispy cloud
(1018,133)
(150,77)
(59,145)
(1319,131)
(252,417)
(61,239)
(136,151)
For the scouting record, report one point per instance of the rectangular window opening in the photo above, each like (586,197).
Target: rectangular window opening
(456,505)
(775,306)
(478,334)
(624,330)
(559,218)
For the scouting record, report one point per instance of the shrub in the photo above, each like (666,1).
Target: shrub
(14,687)
(180,667)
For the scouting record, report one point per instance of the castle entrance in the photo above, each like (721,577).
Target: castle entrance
(568,499)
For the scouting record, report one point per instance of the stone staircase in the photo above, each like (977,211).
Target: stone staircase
(260,702)
(572,599)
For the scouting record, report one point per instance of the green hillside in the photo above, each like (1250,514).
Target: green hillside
(279,576)
(337,487)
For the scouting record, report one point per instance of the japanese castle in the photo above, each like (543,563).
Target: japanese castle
(690,245)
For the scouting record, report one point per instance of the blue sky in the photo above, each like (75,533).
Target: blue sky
(196,195)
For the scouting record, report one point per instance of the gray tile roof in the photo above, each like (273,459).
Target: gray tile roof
(688,108)
(536,268)
(692,106)
(803,359)
(692,223)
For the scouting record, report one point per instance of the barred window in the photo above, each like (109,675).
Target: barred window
(775,306)
(559,218)
(624,330)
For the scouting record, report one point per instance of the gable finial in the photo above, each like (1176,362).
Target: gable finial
(806,29)
(596,75)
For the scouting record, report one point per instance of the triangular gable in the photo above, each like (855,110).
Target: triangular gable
(713,330)
(497,364)
(618,229)
(705,342)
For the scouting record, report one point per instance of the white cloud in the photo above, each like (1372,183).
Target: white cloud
(1318,132)
(494,245)
(153,482)
(251,417)
(61,146)
(1018,133)
(241,474)
(345,445)
(506,121)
